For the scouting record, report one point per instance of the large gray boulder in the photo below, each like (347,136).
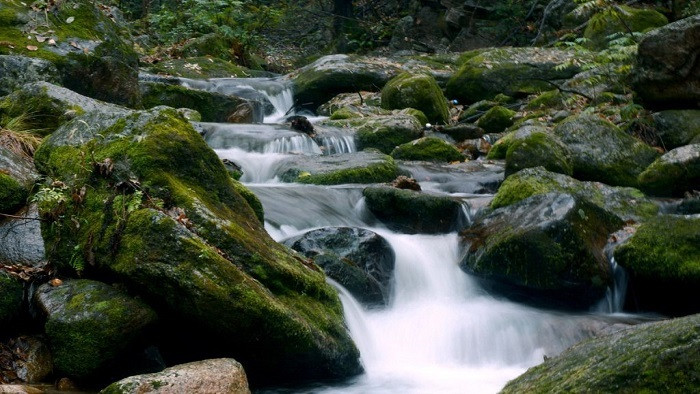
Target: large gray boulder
(667,72)
(16,71)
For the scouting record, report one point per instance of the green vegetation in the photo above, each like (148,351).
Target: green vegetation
(419,91)
(428,149)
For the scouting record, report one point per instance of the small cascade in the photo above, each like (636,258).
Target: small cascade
(336,144)
(615,295)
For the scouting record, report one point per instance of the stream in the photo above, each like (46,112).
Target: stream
(441,332)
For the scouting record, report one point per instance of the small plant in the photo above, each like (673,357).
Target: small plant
(51,200)
(17,136)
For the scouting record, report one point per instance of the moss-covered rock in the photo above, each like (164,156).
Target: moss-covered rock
(382,132)
(534,147)
(89,324)
(511,71)
(496,119)
(663,261)
(663,77)
(625,20)
(214,107)
(354,100)
(551,99)
(88,52)
(428,149)
(660,357)
(499,149)
(160,208)
(624,202)
(11,297)
(674,173)
(600,151)
(251,199)
(413,212)
(203,67)
(17,177)
(362,167)
(16,71)
(677,127)
(546,248)
(360,260)
(419,91)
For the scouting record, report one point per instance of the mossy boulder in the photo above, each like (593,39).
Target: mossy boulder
(355,100)
(419,91)
(499,149)
(413,212)
(624,202)
(496,119)
(11,297)
(50,106)
(677,127)
(89,324)
(428,149)
(551,99)
(222,375)
(534,147)
(160,208)
(462,131)
(17,177)
(16,71)
(214,107)
(360,260)
(600,151)
(203,67)
(363,167)
(512,71)
(547,248)
(663,262)
(661,357)
(674,173)
(624,20)
(663,76)
(89,53)
(382,132)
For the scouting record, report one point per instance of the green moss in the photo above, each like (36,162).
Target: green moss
(538,149)
(627,19)
(13,195)
(213,107)
(418,114)
(384,171)
(252,200)
(386,135)
(496,119)
(428,148)
(344,113)
(551,99)
(674,173)
(419,91)
(500,148)
(11,296)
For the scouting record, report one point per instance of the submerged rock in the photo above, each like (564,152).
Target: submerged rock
(89,324)
(419,91)
(667,71)
(653,357)
(600,151)
(413,212)
(360,260)
(663,262)
(361,167)
(546,248)
(674,173)
(223,375)
(428,149)
(624,202)
(162,214)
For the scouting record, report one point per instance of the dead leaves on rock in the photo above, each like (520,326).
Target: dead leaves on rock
(25,273)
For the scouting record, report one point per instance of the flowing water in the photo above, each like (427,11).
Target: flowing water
(440,333)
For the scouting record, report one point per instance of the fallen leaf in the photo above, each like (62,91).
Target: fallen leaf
(55,282)
(70,19)
(52,41)
(40,38)
(32,48)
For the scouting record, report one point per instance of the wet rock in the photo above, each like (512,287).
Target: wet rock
(674,173)
(653,357)
(205,249)
(360,260)
(89,324)
(16,71)
(667,71)
(11,297)
(26,359)
(223,375)
(361,167)
(301,123)
(203,67)
(470,177)
(626,20)
(690,205)
(20,239)
(512,71)
(534,146)
(413,212)
(214,107)
(547,248)
(600,151)
(404,182)
(17,177)
(676,128)
(419,91)
(662,259)
(382,132)
(461,132)
(496,119)
(428,149)
(358,99)
(624,202)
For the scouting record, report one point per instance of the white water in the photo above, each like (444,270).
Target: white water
(441,333)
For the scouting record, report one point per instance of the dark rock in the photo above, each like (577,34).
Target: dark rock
(89,324)
(11,297)
(690,205)
(653,357)
(359,259)
(676,128)
(17,177)
(462,131)
(413,212)
(600,151)
(674,173)
(663,262)
(667,71)
(547,248)
(301,123)
(20,239)
(27,360)
(16,71)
